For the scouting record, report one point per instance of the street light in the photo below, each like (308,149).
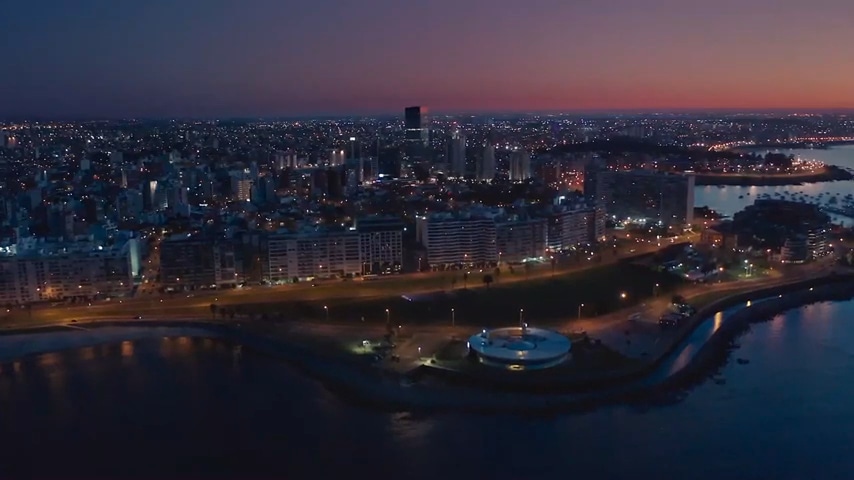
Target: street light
(655,290)
(387,318)
(453,318)
(622,295)
(580,306)
(520,317)
(326,309)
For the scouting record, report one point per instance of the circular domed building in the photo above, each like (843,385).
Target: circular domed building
(520,348)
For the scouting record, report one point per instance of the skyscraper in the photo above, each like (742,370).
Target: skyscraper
(487,163)
(520,165)
(457,154)
(417,133)
(417,125)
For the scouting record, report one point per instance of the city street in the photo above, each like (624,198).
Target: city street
(197,303)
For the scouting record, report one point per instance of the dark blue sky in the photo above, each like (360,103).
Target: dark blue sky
(265,57)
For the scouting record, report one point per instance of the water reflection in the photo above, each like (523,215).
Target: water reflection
(730,199)
(87,353)
(719,320)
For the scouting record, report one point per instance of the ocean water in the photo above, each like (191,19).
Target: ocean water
(194,407)
(726,199)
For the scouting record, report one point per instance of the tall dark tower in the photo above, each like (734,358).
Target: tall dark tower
(417,133)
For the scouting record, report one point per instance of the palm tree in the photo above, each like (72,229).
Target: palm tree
(487,279)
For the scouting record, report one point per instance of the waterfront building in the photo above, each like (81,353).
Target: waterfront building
(197,261)
(311,253)
(380,244)
(480,236)
(518,240)
(642,195)
(797,230)
(458,238)
(33,270)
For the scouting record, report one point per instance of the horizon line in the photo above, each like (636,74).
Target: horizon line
(444,112)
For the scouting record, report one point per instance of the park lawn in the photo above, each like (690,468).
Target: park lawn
(540,300)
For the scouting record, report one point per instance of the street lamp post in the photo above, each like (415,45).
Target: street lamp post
(453,318)
(655,290)
(326,309)
(520,317)
(580,306)
(387,318)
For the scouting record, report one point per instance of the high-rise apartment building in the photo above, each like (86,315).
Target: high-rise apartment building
(241,185)
(373,246)
(486,168)
(34,270)
(458,238)
(457,154)
(520,165)
(572,225)
(642,194)
(193,261)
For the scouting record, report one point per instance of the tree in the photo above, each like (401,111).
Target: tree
(487,279)
(453,282)
(496,273)
(527,270)
(213,309)
(554,264)
(466,280)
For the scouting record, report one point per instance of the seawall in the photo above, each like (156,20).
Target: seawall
(378,388)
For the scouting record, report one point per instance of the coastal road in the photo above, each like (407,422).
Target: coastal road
(198,303)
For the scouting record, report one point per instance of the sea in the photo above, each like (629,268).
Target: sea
(728,200)
(182,407)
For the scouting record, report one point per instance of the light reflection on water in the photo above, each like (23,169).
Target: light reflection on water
(184,407)
(726,199)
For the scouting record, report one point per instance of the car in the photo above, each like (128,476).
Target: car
(138,317)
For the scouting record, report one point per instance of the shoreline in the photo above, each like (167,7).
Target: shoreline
(378,388)
(831,173)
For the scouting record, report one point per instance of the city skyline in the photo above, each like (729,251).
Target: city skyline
(263,58)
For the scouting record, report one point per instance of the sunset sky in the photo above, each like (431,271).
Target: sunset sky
(109,58)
